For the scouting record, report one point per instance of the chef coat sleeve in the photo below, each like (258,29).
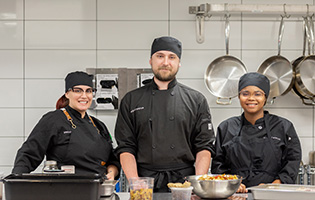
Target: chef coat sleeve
(291,155)
(124,129)
(33,150)
(204,134)
(219,162)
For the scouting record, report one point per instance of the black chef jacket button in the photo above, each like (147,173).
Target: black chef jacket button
(172,93)
(172,146)
(153,93)
(172,118)
(153,146)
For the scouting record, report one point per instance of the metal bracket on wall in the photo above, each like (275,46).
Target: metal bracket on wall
(206,10)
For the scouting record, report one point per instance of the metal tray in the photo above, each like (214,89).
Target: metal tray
(283,192)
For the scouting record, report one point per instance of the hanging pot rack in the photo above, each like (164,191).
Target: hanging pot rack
(207,10)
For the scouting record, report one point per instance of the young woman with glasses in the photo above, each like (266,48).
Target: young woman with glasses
(258,146)
(70,136)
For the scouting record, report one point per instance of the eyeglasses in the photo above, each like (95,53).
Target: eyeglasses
(256,94)
(80,91)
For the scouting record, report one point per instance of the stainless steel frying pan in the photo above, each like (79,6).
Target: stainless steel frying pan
(278,69)
(222,75)
(305,71)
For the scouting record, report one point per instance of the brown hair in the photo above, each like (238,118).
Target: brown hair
(62,102)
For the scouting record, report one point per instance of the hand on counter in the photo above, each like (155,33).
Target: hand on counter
(242,189)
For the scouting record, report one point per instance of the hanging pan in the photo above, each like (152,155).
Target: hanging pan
(305,71)
(278,69)
(222,75)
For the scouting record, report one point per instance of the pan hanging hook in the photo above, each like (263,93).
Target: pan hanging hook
(285,12)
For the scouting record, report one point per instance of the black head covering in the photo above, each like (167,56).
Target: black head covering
(167,43)
(254,79)
(78,78)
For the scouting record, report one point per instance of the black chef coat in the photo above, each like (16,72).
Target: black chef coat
(260,153)
(53,136)
(164,129)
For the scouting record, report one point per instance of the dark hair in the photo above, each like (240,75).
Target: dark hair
(62,102)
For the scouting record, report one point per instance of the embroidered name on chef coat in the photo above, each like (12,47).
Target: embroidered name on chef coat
(67,132)
(136,109)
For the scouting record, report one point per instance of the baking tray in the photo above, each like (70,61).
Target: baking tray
(283,192)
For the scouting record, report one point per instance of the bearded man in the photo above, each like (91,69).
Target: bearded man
(164,128)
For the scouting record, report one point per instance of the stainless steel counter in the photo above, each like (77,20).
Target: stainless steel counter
(168,196)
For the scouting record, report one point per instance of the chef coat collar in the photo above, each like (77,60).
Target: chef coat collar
(75,113)
(170,85)
(259,121)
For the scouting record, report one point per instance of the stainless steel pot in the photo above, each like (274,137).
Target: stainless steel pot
(222,75)
(278,69)
(305,71)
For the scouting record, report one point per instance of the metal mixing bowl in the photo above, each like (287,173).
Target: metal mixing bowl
(214,188)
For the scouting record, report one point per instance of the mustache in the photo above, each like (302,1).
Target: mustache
(164,67)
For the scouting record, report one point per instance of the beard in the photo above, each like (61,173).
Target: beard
(162,76)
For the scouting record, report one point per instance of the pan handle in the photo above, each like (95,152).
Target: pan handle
(200,21)
(281,30)
(227,32)
(229,102)
(312,103)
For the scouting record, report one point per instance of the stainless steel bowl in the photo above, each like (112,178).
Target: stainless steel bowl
(214,188)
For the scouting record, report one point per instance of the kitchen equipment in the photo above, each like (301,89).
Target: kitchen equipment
(311,156)
(301,174)
(310,171)
(305,72)
(108,188)
(222,75)
(283,192)
(278,69)
(214,188)
(52,186)
(141,188)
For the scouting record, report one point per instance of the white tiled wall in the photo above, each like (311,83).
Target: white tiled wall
(42,40)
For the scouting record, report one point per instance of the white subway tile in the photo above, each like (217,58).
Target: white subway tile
(129,35)
(43,93)
(11,62)
(60,9)
(32,116)
(214,34)
(11,9)
(132,10)
(265,35)
(6,171)
(9,148)
(300,119)
(131,58)
(60,34)
(57,63)
(11,122)
(13,90)
(11,35)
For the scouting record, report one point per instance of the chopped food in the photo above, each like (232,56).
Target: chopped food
(186,184)
(141,194)
(217,177)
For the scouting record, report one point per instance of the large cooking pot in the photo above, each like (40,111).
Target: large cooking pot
(278,69)
(305,71)
(222,75)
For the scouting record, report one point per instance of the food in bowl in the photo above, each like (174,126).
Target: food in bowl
(186,184)
(218,177)
(214,188)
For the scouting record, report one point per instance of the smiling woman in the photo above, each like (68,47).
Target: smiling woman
(258,146)
(69,135)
